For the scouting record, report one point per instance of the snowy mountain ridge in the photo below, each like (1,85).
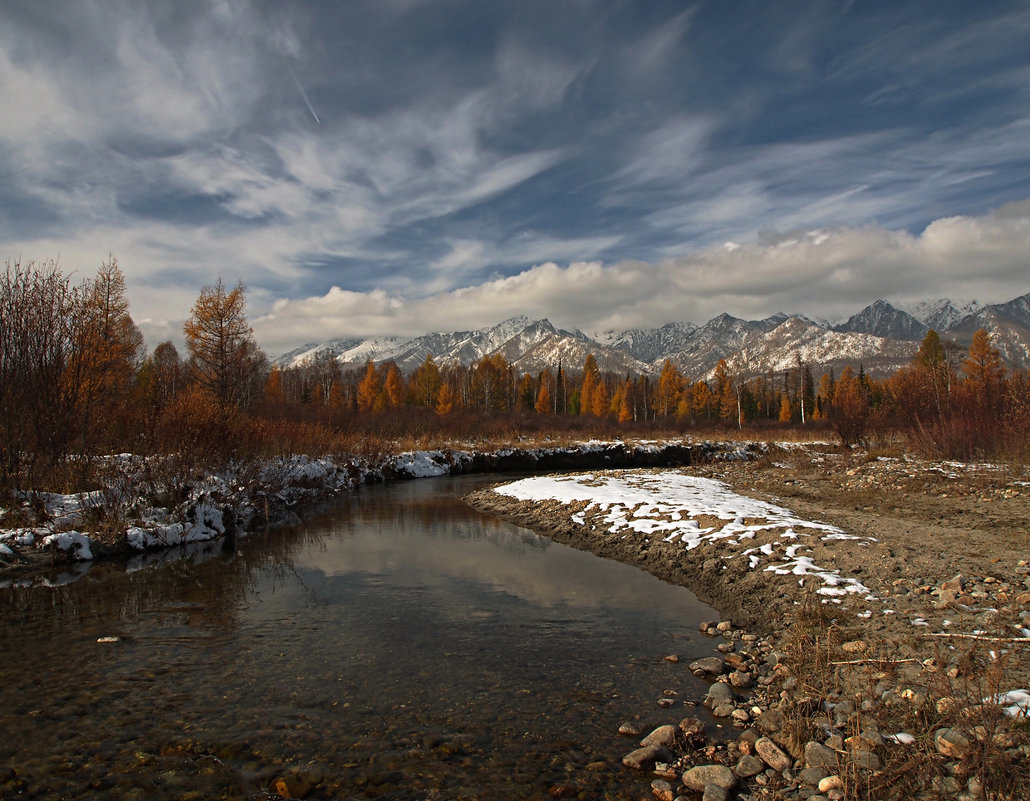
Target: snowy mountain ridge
(941,314)
(881,338)
(882,319)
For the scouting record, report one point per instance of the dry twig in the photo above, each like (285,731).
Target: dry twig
(976,637)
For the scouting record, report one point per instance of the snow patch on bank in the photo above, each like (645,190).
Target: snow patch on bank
(422,464)
(77,544)
(670,505)
(207,524)
(215,504)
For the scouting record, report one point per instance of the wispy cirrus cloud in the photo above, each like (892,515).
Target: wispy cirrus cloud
(461,155)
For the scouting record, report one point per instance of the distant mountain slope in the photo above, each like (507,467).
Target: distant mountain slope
(650,344)
(942,314)
(530,345)
(881,319)
(313,349)
(881,338)
(717,339)
(781,348)
(569,352)
(1007,323)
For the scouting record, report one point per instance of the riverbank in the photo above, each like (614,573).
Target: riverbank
(871,602)
(158,503)
(872,605)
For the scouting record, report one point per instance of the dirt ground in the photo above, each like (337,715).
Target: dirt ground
(943,546)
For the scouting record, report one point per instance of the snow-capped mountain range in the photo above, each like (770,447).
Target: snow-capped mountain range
(881,338)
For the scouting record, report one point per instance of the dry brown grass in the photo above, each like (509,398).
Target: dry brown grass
(946,691)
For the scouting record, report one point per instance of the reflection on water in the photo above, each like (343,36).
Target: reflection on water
(398,646)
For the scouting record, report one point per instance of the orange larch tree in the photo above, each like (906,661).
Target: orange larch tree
(445,400)
(543,399)
(425,383)
(591,376)
(224,358)
(703,400)
(370,390)
(109,350)
(670,387)
(984,372)
(600,404)
(851,407)
(394,386)
(622,403)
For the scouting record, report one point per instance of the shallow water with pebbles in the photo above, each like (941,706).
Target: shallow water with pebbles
(398,645)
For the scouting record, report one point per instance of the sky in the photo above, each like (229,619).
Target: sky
(396,167)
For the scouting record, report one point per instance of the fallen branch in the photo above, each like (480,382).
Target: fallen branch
(875,659)
(976,637)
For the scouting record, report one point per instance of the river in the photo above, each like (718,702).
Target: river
(395,645)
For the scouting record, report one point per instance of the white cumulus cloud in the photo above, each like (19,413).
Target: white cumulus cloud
(819,273)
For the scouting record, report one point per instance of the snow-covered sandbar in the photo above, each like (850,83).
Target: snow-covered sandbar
(690,511)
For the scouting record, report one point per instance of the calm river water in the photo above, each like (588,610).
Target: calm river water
(399,645)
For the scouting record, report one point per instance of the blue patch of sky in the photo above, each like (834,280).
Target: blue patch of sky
(322,271)
(365,59)
(25,217)
(182,208)
(23,214)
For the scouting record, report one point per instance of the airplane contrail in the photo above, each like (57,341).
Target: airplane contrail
(304,94)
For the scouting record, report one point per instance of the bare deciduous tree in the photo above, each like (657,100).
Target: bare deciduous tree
(39,310)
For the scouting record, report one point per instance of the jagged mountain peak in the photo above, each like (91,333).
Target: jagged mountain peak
(511,325)
(942,313)
(795,323)
(545,325)
(883,319)
(1007,323)
(648,344)
(722,320)
(495,336)
(1017,310)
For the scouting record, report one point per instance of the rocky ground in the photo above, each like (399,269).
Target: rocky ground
(854,697)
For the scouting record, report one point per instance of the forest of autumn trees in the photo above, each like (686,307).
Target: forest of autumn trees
(75,382)
(69,357)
